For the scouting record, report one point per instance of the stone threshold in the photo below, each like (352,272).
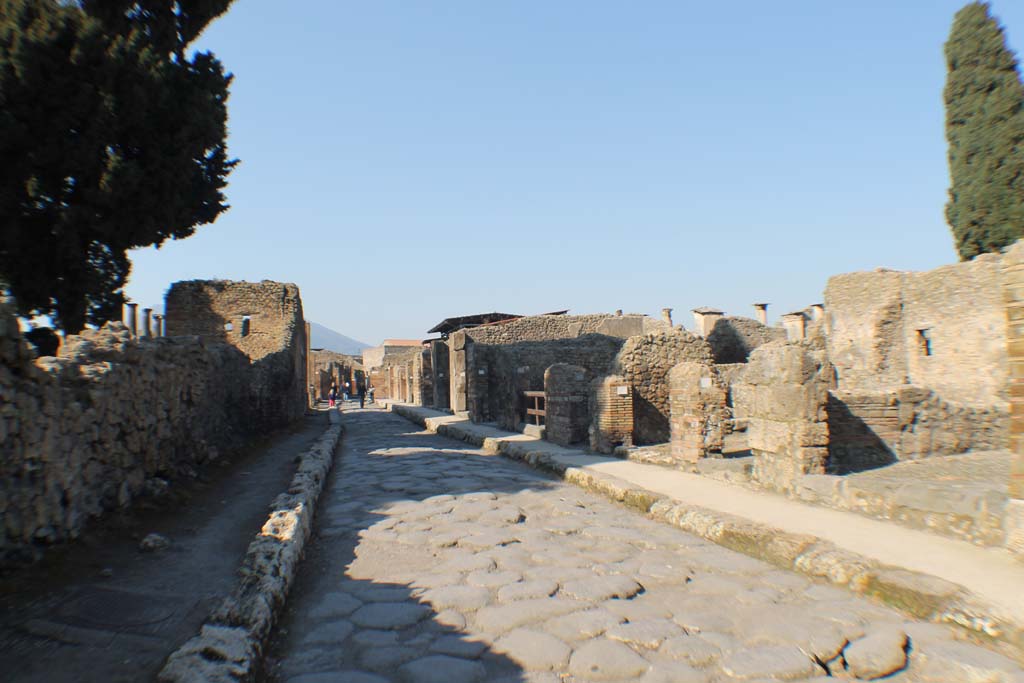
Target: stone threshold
(924,575)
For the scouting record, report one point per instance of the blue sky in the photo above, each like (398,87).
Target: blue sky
(403,162)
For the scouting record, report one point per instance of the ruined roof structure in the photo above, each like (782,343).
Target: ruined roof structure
(449,325)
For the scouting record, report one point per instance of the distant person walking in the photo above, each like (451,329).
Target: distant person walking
(332,395)
(346,391)
(362,395)
(372,389)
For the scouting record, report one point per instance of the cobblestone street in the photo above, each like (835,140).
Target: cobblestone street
(433,561)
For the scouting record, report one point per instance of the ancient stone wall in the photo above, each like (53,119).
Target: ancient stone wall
(498,374)
(263,320)
(1013,298)
(785,389)
(921,363)
(105,421)
(645,361)
(611,410)
(566,400)
(943,330)
(550,327)
(734,337)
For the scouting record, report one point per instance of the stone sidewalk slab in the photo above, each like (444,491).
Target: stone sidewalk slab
(931,577)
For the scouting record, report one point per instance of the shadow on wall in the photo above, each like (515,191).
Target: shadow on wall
(367,600)
(734,337)
(854,445)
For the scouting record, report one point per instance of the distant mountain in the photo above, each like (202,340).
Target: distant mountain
(325,338)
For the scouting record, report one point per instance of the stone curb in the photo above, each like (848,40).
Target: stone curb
(920,595)
(229,645)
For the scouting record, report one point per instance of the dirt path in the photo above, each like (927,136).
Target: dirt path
(104,611)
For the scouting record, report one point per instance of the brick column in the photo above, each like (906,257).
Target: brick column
(611,407)
(1013,295)
(565,399)
(697,402)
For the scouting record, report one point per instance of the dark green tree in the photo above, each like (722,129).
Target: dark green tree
(985,128)
(111,138)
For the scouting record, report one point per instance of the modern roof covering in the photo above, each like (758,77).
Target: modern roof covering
(401,342)
(451,324)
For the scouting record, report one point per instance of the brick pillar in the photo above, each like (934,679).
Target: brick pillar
(133,320)
(147,330)
(698,412)
(565,399)
(1013,295)
(611,405)
(762,313)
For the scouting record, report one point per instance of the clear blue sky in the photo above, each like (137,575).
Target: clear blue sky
(406,161)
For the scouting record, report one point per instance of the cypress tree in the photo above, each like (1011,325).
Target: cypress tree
(112,137)
(985,129)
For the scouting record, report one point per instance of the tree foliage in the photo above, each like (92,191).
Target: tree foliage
(112,138)
(985,128)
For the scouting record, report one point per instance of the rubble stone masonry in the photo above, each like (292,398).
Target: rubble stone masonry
(113,417)
(1013,297)
(645,361)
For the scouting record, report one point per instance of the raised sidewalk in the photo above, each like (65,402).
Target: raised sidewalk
(929,576)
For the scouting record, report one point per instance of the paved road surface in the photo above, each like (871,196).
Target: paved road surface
(434,561)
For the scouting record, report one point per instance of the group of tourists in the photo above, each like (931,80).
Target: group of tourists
(361,392)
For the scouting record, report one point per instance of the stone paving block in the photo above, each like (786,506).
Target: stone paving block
(533,650)
(781,662)
(601,588)
(606,660)
(877,654)
(386,659)
(335,605)
(332,632)
(692,649)
(674,673)
(389,615)
(644,633)
(458,645)
(502,618)
(527,589)
(582,625)
(374,638)
(496,579)
(442,669)
(462,598)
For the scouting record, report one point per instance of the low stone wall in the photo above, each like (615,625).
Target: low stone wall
(567,418)
(871,429)
(645,361)
(113,417)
